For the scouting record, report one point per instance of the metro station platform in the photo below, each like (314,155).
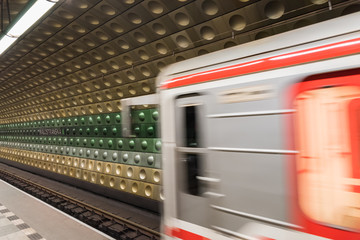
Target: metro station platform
(24,217)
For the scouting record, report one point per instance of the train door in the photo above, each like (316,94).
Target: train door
(192,205)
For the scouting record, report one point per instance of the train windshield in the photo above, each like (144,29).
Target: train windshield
(327,136)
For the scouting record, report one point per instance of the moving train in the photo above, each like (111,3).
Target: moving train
(261,140)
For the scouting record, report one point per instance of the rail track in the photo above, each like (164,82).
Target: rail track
(113,225)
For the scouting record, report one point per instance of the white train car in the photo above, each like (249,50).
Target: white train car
(261,141)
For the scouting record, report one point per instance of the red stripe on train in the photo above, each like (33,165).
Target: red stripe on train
(183,234)
(284,60)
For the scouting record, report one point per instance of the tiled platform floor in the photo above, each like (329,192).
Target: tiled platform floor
(12,227)
(23,217)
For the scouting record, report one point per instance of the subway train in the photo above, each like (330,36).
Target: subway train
(261,141)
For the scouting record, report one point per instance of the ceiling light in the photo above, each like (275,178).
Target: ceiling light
(6,42)
(30,15)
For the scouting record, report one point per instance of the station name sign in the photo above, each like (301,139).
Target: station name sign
(50,132)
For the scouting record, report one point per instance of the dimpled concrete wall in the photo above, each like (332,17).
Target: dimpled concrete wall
(91,148)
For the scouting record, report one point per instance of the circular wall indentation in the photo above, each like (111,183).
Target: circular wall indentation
(139,37)
(107,82)
(130,75)
(156,176)
(318,2)
(260,35)
(124,45)
(90,109)
(145,71)
(207,33)
(109,50)
(45,31)
(202,52)
(96,56)
(118,170)
(102,36)
(108,168)
(112,182)
(160,65)
(274,10)
(67,36)
(102,179)
(162,197)
(145,87)
(209,7)
(159,29)
(108,10)
(229,44)
(179,58)
(237,22)
(54,24)
(98,167)
(120,92)
(96,84)
(114,65)
(155,7)
(116,28)
(99,108)
(78,28)
(117,79)
(132,90)
(134,18)
(148,191)
(128,1)
(81,4)
(182,19)
(83,164)
(182,41)
(91,73)
(134,187)
(109,107)
(92,20)
(122,184)
(91,165)
(142,174)
(88,42)
(68,54)
(143,55)
(129,172)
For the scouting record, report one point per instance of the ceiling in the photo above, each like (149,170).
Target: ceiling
(86,55)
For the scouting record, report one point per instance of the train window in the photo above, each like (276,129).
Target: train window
(328,180)
(192,166)
(191,134)
(191,140)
